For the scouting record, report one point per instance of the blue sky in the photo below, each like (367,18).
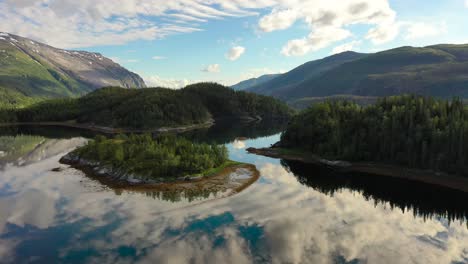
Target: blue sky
(172,43)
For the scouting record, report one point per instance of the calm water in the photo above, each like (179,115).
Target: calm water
(294,213)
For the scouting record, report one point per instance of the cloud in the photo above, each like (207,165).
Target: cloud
(75,24)
(277,20)
(383,33)
(423,30)
(318,39)
(327,20)
(466,3)
(235,53)
(212,68)
(158,58)
(346,47)
(156,81)
(238,144)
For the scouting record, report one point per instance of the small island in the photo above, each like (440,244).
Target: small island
(141,160)
(412,137)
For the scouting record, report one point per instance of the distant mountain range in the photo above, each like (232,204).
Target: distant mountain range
(254,82)
(440,70)
(32,69)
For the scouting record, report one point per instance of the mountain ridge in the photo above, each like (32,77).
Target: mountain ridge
(34,69)
(249,83)
(436,70)
(303,72)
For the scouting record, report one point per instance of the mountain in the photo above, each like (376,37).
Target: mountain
(439,70)
(247,84)
(283,83)
(32,69)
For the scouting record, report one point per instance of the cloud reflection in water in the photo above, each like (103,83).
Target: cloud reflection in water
(276,220)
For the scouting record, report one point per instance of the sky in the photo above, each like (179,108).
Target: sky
(172,43)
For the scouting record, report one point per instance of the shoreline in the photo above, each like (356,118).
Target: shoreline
(111,130)
(425,176)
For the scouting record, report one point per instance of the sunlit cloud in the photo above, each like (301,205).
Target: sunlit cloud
(72,24)
(235,53)
(212,68)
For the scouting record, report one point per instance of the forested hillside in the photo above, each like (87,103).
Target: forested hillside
(439,70)
(419,132)
(281,85)
(152,107)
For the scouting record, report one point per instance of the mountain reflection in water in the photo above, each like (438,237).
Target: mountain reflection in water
(66,217)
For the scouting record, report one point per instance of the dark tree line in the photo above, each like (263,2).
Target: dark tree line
(151,107)
(419,132)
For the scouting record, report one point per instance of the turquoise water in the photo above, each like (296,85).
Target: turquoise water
(292,214)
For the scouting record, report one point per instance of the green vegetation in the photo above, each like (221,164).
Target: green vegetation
(151,107)
(162,157)
(28,75)
(13,99)
(30,71)
(411,131)
(223,102)
(429,71)
(283,84)
(306,102)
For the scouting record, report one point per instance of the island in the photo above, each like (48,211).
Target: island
(119,110)
(143,160)
(412,137)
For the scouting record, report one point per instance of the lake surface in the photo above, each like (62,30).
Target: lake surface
(294,213)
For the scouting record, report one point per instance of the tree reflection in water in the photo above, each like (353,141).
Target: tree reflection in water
(424,200)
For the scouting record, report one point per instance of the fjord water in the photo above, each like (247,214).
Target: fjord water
(294,213)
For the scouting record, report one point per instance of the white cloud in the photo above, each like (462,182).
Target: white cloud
(423,30)
(383,33)
(158,58)
(235,53)
(327,20)
(350,46)
(72,24)
(466,3)
(156,81)
(277,20)
(318,39)
(212,68)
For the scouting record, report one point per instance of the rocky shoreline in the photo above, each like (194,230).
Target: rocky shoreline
(425,176)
